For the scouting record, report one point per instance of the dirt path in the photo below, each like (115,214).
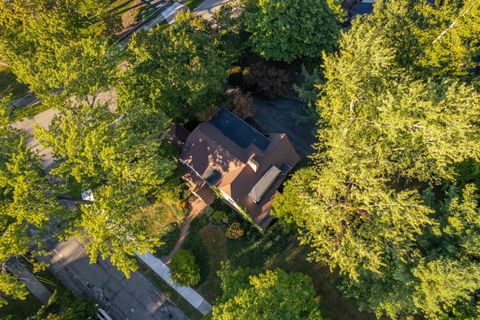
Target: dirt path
(197,208)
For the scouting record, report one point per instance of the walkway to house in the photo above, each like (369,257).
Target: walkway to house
(197,207)
(189,294)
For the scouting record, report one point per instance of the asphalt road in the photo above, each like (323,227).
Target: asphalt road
(124,299)
(208,7)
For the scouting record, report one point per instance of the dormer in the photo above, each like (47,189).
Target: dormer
(253,163)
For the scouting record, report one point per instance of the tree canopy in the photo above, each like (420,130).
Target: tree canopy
(291,29)
(181,70)
(184,268)
(397,131)
(126,161)
(270,295)
(64,47)
(26,203)
(64,306)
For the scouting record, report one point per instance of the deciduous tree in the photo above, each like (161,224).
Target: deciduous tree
(110,229)
(125,159)
(289,29)
(185,270)
(271,295)
(64,47)
(26,203)
(181,70)
(391,138)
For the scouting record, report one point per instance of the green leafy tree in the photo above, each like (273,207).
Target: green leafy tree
(96,145)
(449,34)
(438,278)
(462,222)
(383,129)
(181,70)
(125,160)
(308,92)
(25,202)
(111,226)
(392,138)
(352,227)
(185,270)
(438,41)
(233,280)
(229,23)
(287,30)
(443,283)
(64,47)
(271,295)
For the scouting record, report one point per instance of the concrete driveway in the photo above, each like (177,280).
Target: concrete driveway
(278,116)
(132,299)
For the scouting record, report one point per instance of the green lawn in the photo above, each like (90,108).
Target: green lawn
(171,294)
(213,238)
(122,6)
(9,84)
(274,249)
(128,10)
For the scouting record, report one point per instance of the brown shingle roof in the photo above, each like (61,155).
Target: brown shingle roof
(207,147)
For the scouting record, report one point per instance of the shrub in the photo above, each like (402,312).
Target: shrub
(184,268)
(219,217)
(266,80)
(241,103)
(234,231)
(235,76)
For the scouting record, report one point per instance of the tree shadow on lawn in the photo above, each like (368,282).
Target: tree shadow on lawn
(213,238)
(169,239)
(274,249)
(254,249)
(332,304)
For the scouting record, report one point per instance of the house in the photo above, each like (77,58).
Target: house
(228,158)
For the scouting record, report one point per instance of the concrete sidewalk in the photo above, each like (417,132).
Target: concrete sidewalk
(172,12)
(32,283)
(192,296)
